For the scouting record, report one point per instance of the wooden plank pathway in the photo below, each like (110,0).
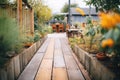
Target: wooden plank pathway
(54,61)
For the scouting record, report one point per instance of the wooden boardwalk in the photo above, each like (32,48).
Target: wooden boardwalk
(54,61)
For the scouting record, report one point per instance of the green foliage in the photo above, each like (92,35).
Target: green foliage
(3,1)
(36,25)
(66,7)
(47,29)
(88,20)
(91,30)
(37,36)
(115,35)
(104,5)
(59,17)
(29,39)
(9,33)
(42,12)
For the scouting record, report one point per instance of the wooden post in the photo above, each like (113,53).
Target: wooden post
(19,15)
(32,22)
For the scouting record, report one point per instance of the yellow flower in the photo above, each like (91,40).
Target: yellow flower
(80,11)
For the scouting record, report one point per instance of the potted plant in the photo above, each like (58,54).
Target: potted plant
(110,23)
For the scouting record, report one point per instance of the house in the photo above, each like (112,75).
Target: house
(77,17)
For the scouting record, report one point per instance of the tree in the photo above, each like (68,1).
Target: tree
(66,7)
(3,1)
(43,12)
(58,17)
(104,5)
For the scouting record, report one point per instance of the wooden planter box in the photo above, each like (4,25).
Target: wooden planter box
(96,69)
(16,65)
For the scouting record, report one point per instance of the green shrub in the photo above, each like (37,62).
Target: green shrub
(36,36)
(9,40)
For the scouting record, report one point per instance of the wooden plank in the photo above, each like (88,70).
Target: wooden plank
(49,51)
(44,46)
(58,58)
(64,47)
(3,74)
(84,72)
(59,61)
(58,55)
(58,52)
(31,69)
(45,70)
(73,70)
(10,70)
(70,63)
(75,75)
(16,66)
(49,54)
(57,43)
(43,74)
(59,74)
(46,64)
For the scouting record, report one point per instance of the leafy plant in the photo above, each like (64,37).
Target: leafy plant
(91,30)
(104,5)
(59,17)
(37,36)
(110,23)
(3,1)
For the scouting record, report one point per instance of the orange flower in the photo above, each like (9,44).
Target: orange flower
(117,17)
(104,43)
(108,42)
(109,20)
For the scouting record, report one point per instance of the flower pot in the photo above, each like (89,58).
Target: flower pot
(101,56)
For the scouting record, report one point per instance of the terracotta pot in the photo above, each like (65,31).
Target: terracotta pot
(101,56)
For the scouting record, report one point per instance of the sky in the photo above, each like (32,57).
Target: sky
(56,5)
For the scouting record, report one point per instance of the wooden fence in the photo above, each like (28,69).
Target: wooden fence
(27,27)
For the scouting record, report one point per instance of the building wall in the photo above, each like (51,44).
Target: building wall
(79,18)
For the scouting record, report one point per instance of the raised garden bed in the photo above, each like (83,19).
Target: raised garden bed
(12,69)
(98,70)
